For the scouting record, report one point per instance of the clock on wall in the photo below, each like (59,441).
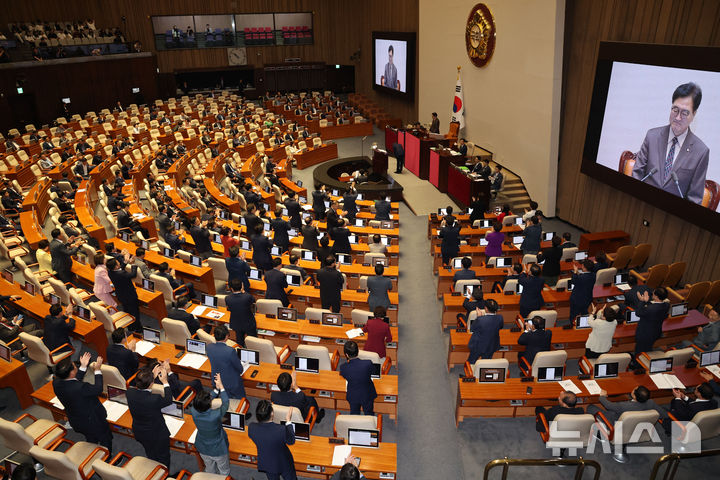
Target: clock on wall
(237,56)
(480,35)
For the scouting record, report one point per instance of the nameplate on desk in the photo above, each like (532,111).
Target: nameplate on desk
(325,393)
(504,348)
(391,344)
(361,290)
(468,379)
(365,264)
(390,398)
(387,476)
(527,379)
(294,336)
(461,330)
(515,329)
(347,304)
(567,327)
(286,366)
(336,440)
(314,468)
(393,307)
(340,341)
(245,458)
(583,376)
(315,321)
(558,346)
(261,385)
(269,315)
(516,403)
(302,299)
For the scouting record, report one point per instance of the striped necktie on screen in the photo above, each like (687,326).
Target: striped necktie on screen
(669,159)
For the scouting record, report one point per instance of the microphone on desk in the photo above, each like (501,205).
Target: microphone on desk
(650,174)
(677,183)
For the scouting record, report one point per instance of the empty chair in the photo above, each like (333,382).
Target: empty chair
(269,353)
(621,258)
(110,321)
(325,360)
(474,369)
(562,432)
(640,255)
(75,463)
(267,306)
(654,277)
(554,358)
(38,352)
(220,273)
(136,468)
(368,257)
(360,317)
(706,422)
(629,421)
(39,431)
(568,253)
(713,295)
(344,422)
(315,313)
(622,359)
(374,357)
(675,273)
(693,294)
(510,285)
(679,356)
(176,331)
(605,276)
(529,258)
(163,285)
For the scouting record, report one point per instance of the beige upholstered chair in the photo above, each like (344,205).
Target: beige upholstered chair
(550,316)
(110,321)
(461,284)
(474,369)
(176,331)
(38,352)
(679,356)
(137,468)
(622,359)
(75,463)
(554,358)
(707,422)
(39,431)
(344,422)
(360,317)
(312,313)
(622,432)
(563,434)
(325,360)
(269,353)
(267,306)
(605,276)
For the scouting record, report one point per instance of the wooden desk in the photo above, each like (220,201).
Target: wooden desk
(603,241)
(30,226)
(345,130)
(14,375)
(573,341)
(84,209)
(462,187)
(316,155)
(317,453)
(92,332)
(510,399)
(21,172)
(510,304)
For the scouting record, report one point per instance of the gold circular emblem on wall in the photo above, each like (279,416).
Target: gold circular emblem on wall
(480,35)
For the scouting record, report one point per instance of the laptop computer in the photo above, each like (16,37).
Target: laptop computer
(457,263)
(5,353)
(275,251)
(309,255)
(148,284)
(151,335)
(168,252)
(82,312)
(209,301)
(251,357)
(254,274)
(361,437)
(580,256)
(344,259)
(244,245)
(289,314)
(518,288)
(195,346)
(485,224)
(175,409)
(678,310)
(353,239)
(7,275)
(195,261)
(483,242)
(582,321)
(293,280)
(621,281)
(305,364)
(117,394)
(661,365)
(332,319)
(376,370)
(606,370)
(29,287)
(503,262)
(234,421)
(631,317)
(54,299)
(359,222)
(548,236)
(384,261)
(491,375)
(709,358)
(302,430)
(518,239)
(550,374)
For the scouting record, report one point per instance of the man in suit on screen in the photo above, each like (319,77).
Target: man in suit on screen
(672,157)
(390,70)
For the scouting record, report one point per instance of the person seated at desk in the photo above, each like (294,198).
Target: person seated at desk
(47,145)
(482,168)
(497,180)
(708,335)
(495,241)
(603,325)
(82,169)
(465,273)
(58,327)
(291,396)
(294,266)
(684,408)
(168,273)
(601,262)
(639,401)
(46,163)
(473,302)
(567,405)
(179,312)
(349,471)
(535,338)
(529,212)
(503,213)
(377,246)
(567,241)
(461,147)
(531,297)
(9,203)
(10,329)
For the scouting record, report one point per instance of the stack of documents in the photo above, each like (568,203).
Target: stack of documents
(666,380)
(355,332)
(570,386)
(115,410)
(192,360)
(142,347)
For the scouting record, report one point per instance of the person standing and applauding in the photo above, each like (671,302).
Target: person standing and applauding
(211,441)
(272,440)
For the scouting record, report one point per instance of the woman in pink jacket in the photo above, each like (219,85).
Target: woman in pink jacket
(103,286)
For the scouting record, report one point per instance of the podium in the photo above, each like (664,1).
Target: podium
(462,186)
(440,161)
(380,161)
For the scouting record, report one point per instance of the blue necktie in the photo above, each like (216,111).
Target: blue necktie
(669,159)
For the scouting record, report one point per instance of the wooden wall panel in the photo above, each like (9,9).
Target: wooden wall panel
(340,29)
(594,205)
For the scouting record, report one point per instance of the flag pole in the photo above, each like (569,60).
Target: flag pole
(458,72)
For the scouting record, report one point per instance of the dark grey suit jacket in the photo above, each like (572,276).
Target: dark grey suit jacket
(690,163)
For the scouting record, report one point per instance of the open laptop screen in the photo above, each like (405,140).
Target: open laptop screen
(175,409)
(491,375)
(117,394)
(606,370)
(709,358)
(250,356)
(195,346)
(305,364)
(234,421)
(334,319)
(550,374)
(661,365)
(209,301)
(5,353)
(360,437)
(151,335)
(287,314)
(678,310)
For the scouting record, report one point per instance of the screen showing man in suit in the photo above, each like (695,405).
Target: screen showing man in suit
(674,153)
(391,64)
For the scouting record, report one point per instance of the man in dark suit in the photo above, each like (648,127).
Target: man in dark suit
(261,247)
(276,283)
(639,401)
(242,312)
(125,289)
(47,145)
(483,169)
(462,147)
(318,202)
(631,296)
(360,387)
(450,244)
(178,312)
(531,297)
(349,205)
(126,221)
(341,237)
(252,221)
(82,169)
(684,409)
(201,236)
(271,440)
(121,357)
(673,158)
(465,273)
(567,402)
(58,327)
(237,267)
(533,236)
(331,284)
(293,208)
(164,221)
(291,396)
(280,230)
(148,423)
(535,338)
(61,254)
(652,313)
(485,339)
(399,153)
(582,294)
(80,399)
(224,360)
(382,209)
(435,124)
(567,243)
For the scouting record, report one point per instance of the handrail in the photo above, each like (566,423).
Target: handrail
(673,460)
(580,464)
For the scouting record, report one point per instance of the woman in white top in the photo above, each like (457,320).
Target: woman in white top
(603,326)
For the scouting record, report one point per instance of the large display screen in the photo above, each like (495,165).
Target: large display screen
(394,62)
(654,127)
